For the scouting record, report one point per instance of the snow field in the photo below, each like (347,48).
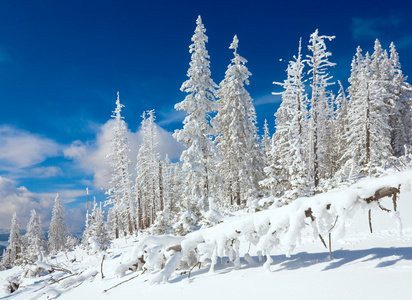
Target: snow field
(364,265)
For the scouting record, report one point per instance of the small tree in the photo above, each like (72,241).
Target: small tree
(34,237)
(96,229)
(14,251)
(58,232)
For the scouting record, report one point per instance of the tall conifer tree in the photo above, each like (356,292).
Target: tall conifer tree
(238,142)
(200,156)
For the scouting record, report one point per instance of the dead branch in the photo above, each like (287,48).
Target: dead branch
(383,208)
(330,245)
(370,220)
(197,264)
(323,241)
(175,248)
(101,266)
(55,268)
(124,281)
(309,214)
(56,281)
(334,224)
(382,193)
(386,191)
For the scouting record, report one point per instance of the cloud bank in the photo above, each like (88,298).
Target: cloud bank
(20,149)
(21,201)
(91,156)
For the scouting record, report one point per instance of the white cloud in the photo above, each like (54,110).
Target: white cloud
(45,172)
(21,201)
(170,116)
(267,99)
(20,149)
(91,156)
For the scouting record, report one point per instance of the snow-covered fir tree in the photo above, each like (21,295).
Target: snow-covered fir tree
(266,143)
(147,187)
(200,156)
(287,170)
(400,101)
(171,185)
(319,103)
(14,251)
(368,137)
(237,139)
(58,233)
(122,214)
(35,239)
(96,229)
(339,129)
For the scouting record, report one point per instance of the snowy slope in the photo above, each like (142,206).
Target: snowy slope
(364,265)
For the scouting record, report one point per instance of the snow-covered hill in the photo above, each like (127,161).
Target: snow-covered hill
(365,265)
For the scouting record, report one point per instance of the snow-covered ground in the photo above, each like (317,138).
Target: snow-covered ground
(364,266)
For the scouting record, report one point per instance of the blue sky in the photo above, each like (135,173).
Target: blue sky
(62,62)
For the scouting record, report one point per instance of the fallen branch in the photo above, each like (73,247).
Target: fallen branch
(386,191)
(199,264)
(71,275)
(55,268)
(124,281)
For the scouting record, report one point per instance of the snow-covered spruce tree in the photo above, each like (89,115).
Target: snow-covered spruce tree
(14,251)
(237,139)
(122,214)
(147,187)
(200,156)
(266,143)
(339,129)
(400,101)
(319,103)
(287,171)
(58,233)
(35,240)
(96,229)
(368,137)
(171,197)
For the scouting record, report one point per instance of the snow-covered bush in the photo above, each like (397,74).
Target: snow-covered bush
(162,224)
(71,242)
(34,271)
(211,217)
(12,284)
(186,223)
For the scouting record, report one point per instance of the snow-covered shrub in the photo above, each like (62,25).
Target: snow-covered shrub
(211,217)
(186,223)
(34,271)
(72,242)
(162,224)
(151,253)
(13,283)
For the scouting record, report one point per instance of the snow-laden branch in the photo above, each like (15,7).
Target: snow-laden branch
(275,228)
